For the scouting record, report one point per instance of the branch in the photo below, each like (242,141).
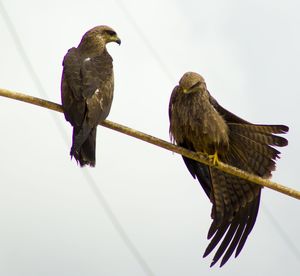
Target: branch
(163,144)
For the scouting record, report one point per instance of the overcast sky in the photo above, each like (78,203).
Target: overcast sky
(52,217)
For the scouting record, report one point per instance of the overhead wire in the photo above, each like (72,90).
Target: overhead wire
(164,68)
(86,174)
(282,233)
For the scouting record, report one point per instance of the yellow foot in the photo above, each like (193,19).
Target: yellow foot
(214,158)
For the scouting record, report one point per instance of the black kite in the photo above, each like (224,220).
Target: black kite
(200,124)
(87,90)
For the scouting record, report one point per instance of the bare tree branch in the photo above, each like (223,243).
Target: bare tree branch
(161,143)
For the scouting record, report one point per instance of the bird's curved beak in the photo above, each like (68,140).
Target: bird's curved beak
(117,40)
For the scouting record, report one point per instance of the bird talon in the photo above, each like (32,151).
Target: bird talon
(214,158)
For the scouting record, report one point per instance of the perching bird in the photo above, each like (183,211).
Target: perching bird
(200,124)
(87,87)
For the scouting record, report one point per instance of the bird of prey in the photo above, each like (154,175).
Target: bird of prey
(200,124)
(87,87)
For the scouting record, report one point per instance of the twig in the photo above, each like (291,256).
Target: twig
(161,143)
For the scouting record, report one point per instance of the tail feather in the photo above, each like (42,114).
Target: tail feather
(84,152)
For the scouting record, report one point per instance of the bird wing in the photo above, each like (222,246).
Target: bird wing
(87,92)
(98,86)
(172,101)
(198,170)
(87,87)
(236,201)
(71,88)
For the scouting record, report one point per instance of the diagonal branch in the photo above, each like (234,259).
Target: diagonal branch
(161,143)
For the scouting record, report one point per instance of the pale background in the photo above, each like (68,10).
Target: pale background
(52,217)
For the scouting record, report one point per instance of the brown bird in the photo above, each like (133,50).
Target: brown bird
(87,87)
(200,124)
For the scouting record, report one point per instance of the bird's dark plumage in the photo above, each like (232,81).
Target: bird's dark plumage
(87,90)
(199,123)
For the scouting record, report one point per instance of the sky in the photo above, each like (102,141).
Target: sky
(139,211)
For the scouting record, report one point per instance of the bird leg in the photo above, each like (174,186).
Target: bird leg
(214,158)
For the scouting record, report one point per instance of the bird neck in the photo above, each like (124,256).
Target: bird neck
(90,48)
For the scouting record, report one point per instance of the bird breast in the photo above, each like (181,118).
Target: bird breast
(201,124)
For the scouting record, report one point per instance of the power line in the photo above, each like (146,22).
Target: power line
(282,233)
(146,41)
(20,48)
(88,177)
(117,225)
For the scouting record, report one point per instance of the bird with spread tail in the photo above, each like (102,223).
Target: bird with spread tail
(87,87)
(200,124)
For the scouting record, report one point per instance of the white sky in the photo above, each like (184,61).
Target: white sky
(51,220)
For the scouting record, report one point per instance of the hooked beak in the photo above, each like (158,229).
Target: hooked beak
(117,40)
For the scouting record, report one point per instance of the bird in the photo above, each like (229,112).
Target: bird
(87,86)
(198,123)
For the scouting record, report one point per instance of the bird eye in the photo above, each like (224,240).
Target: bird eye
(110,33)
(196,84)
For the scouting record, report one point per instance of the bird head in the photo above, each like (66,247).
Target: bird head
(107,34)
(192,82)
(98,37)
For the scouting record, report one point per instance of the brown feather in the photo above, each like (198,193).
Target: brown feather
(199,123)
(87,90)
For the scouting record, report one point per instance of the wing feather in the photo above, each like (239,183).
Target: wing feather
(235,201)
